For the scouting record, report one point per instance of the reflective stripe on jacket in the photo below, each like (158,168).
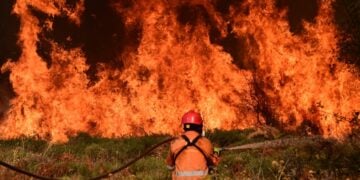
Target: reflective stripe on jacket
(191,173)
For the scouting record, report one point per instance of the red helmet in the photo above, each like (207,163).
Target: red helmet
(192,117)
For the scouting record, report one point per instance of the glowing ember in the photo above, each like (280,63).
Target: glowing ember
(288,80)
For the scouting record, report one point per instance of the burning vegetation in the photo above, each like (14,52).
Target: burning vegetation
(122,68)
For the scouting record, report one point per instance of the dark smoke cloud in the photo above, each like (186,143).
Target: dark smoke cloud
(298,11)
(102,34)
(239,47)
(347,17)
(9,29)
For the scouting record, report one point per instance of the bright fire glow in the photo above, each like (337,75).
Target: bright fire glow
(177,68)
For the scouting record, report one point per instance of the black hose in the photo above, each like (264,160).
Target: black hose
(109,174)
(106,175)
(25,172)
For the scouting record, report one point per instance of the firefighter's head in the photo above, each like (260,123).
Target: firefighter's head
(192,121)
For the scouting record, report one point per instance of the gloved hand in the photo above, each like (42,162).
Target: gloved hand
(215,159)
(217,150)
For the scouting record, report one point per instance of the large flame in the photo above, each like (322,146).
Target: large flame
(176,67)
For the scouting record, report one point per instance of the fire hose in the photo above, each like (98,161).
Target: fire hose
(266,144)
(24,172)
(105,175)
(274,143)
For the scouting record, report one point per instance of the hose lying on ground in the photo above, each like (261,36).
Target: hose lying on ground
(278,143)
(25,172)
(266,144)
(105,175)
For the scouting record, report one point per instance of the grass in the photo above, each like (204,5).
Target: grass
(84,157)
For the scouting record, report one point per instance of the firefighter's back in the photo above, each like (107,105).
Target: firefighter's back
(190,162)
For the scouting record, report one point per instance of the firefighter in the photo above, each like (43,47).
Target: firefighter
(191,154)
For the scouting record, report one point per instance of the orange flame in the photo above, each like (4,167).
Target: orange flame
(176,68)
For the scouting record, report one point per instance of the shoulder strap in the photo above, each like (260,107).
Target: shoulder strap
(183,148)
(192,143)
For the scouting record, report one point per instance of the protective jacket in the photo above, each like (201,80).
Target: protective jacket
(190,156)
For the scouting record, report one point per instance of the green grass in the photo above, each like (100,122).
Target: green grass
(84,157)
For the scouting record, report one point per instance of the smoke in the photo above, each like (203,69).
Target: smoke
(347,17)
(9,29)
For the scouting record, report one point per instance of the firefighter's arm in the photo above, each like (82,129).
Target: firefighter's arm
(214,157)
(170,163)
(214,162)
